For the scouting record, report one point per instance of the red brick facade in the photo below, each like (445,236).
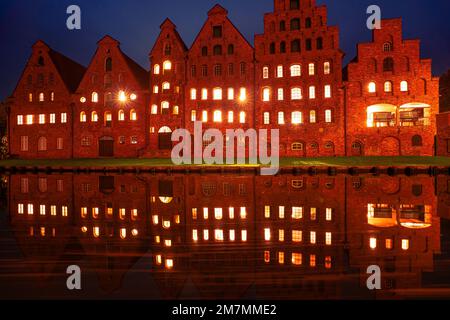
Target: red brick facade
(392,98)
(292,80)
(443,140)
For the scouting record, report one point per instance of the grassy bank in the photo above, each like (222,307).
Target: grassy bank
(287,162)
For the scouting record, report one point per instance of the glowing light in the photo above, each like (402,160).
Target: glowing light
(133,97)
(373,243)
(122,96)
(84,229)
(134,232)
(83,99)
(169,263)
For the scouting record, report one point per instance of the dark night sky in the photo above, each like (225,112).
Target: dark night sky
(136,24)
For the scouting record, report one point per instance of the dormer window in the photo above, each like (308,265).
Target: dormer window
(217,31)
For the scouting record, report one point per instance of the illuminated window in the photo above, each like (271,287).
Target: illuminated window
(313,237)
(242,94)
(297,259)
(177,219)
(169,264)
(53,211)
(64,211)
(166,224)
(84,212)
(42,119)
(296,71)
(326,68)
(405,244)
(280,94)
(244,235)
(121,115)
(231,213)
(373,243)
(30,97)
(156,69)
(42,231)
(388,86)
(232,235)
(329,214)
(157,239)
(297,117)
(230,94)
(217,94)
(296,94)
(281,257)
(19,120)
(123,233)
(266,118)
(267,234)
(52,118)
(266,256)
(194,213)
(266,73)
(133,115)
(280,72)
(20,208)
(122,213)
(243,213)
(230,117)
(217,116)
(96,232)
(94,116)
(95,213)
(281,211)
(297,213)
(218,213)
(193,94)
(242,117)
(205,213)
(281,118)
(167,65)
(281,235)
(204,94)
(42,210)
(195,235)
(312,92)
(41,97)
(168,243)
(404,86)
(83,117)
(30,119)
(311,69)
(328,238)
(328,116)
(297,236)
(94,97)
(166,86)
(266,94)
(389,244)
(63,117)
(327,91)
(205,116)
(267,212)
(312,260)
(206,235)
(218,235)
(313,214)
(193,115)
(158,259)
(372,87)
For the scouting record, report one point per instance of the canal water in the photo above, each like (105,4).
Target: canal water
(152,236)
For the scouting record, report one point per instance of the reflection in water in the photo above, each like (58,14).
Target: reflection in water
(215,236)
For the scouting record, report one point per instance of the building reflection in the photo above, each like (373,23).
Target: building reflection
(235,236)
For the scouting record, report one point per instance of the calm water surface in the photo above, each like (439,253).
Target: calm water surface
(224,236)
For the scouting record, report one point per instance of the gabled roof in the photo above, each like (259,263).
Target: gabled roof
(141,75)
(168,24)
(70,71)
(217,9)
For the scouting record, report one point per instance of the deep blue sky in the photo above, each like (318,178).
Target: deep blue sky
(136,24)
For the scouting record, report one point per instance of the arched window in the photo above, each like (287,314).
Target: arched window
(42,144)
(94,116)
(41,61)
(387,47)
(295,46)
(167,65)
(108,65)
(283,47)
(295,24)
(242,117)
(312,116)
(272,48)
(133,115)
(156,69)
(94,97)
(266,73)
(297,117)
(296,94)
(41,97)
(297,146)
(107,81)
(52,96)
(296,70)
(266,94)
(166,86)
(388,86)
(154,109)
(217,116)
(230,49)
(83,117)
(217,50)
(372,87)
(417,141)
(108,118)
(404,86)
(388,65)
(121,115)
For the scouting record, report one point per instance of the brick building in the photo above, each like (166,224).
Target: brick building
(41,119)
(110,115)
(384,102)
(299,79)
(443,136)
(392,98)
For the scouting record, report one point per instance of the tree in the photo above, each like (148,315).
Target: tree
(444,91)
